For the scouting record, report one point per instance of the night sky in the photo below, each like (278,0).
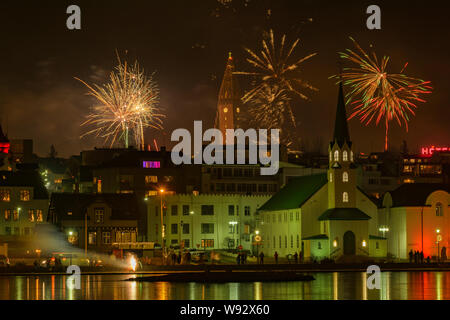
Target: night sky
(187,44)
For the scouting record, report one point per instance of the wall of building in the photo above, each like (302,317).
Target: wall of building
(221,237)
(281,232)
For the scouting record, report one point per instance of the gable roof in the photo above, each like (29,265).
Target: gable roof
(415,194)
(295,193)
(344,214)
(124,206)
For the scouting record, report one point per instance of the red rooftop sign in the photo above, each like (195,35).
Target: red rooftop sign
(428,151)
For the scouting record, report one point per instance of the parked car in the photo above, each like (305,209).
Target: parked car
(4,261)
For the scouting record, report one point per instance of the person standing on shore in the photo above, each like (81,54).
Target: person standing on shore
(301,256)
(238,258)
(276,257)
(296,257)
(410,256)
(421,257)
(261,258)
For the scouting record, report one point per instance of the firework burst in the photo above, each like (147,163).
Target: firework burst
(376,94)
(274,66)
(128,103)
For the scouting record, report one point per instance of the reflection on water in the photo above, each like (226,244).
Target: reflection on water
(327,286)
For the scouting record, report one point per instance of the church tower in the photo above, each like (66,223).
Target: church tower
(228,105)
(341,167)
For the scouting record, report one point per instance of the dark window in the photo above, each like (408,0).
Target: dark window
(207,210)
(186,228)
(231,210)
(174,228)
(247,210)
(207,227)
(174,210)
(186,243)
(185,210)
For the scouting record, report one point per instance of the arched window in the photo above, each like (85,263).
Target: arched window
(439,212)
(336,155)
(331,177)
(345,156)
(331,158)
(345,197)
(351,156)
(345,177)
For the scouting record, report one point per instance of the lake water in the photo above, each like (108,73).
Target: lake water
(327,286)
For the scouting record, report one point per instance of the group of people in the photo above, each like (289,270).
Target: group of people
(241,258)
(181,258)
(296,257)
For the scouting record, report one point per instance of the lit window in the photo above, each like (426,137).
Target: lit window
(151,164)
(439,212)
(31,215)
(331,177)
(92,237)
(25,195)
(345,197)
(345,156)
(5,195)
(351,156)
(364,244)
(151,179)
(39,216)
(16,214)
(99,186)
(336,155)
(7,214)
(345,177)
(99,213)
(106,236)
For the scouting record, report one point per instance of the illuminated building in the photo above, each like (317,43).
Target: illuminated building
(205,221)
(110,218)
(324,215)
(23,205)
(229,102)
(415,214)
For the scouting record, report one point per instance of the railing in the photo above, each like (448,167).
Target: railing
(364,251)
(334,252)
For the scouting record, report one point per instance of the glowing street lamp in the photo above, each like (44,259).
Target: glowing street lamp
(438,239)
(162,226)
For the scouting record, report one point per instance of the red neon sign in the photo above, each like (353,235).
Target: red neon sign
(4,147)
(428,151)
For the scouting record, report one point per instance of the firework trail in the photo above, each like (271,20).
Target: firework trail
(275,70)
(128,103)
(377,94)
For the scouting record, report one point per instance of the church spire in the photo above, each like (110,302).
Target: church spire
(341,134)
(229,99)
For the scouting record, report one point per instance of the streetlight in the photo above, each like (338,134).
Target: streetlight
(438,239)
(257,239)
(162,226)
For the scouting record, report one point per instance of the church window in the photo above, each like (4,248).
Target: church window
(331,177)
(331,156)
(439,212)
(345,156)
(292,241)
(351,156)
(345,177)
(319,245)
(336,155)
(225,110)
(274,244)
(285,241)
(298,241)
(279,241)
(345,197)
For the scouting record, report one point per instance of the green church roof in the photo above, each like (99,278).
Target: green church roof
(344,214)
(295,193)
